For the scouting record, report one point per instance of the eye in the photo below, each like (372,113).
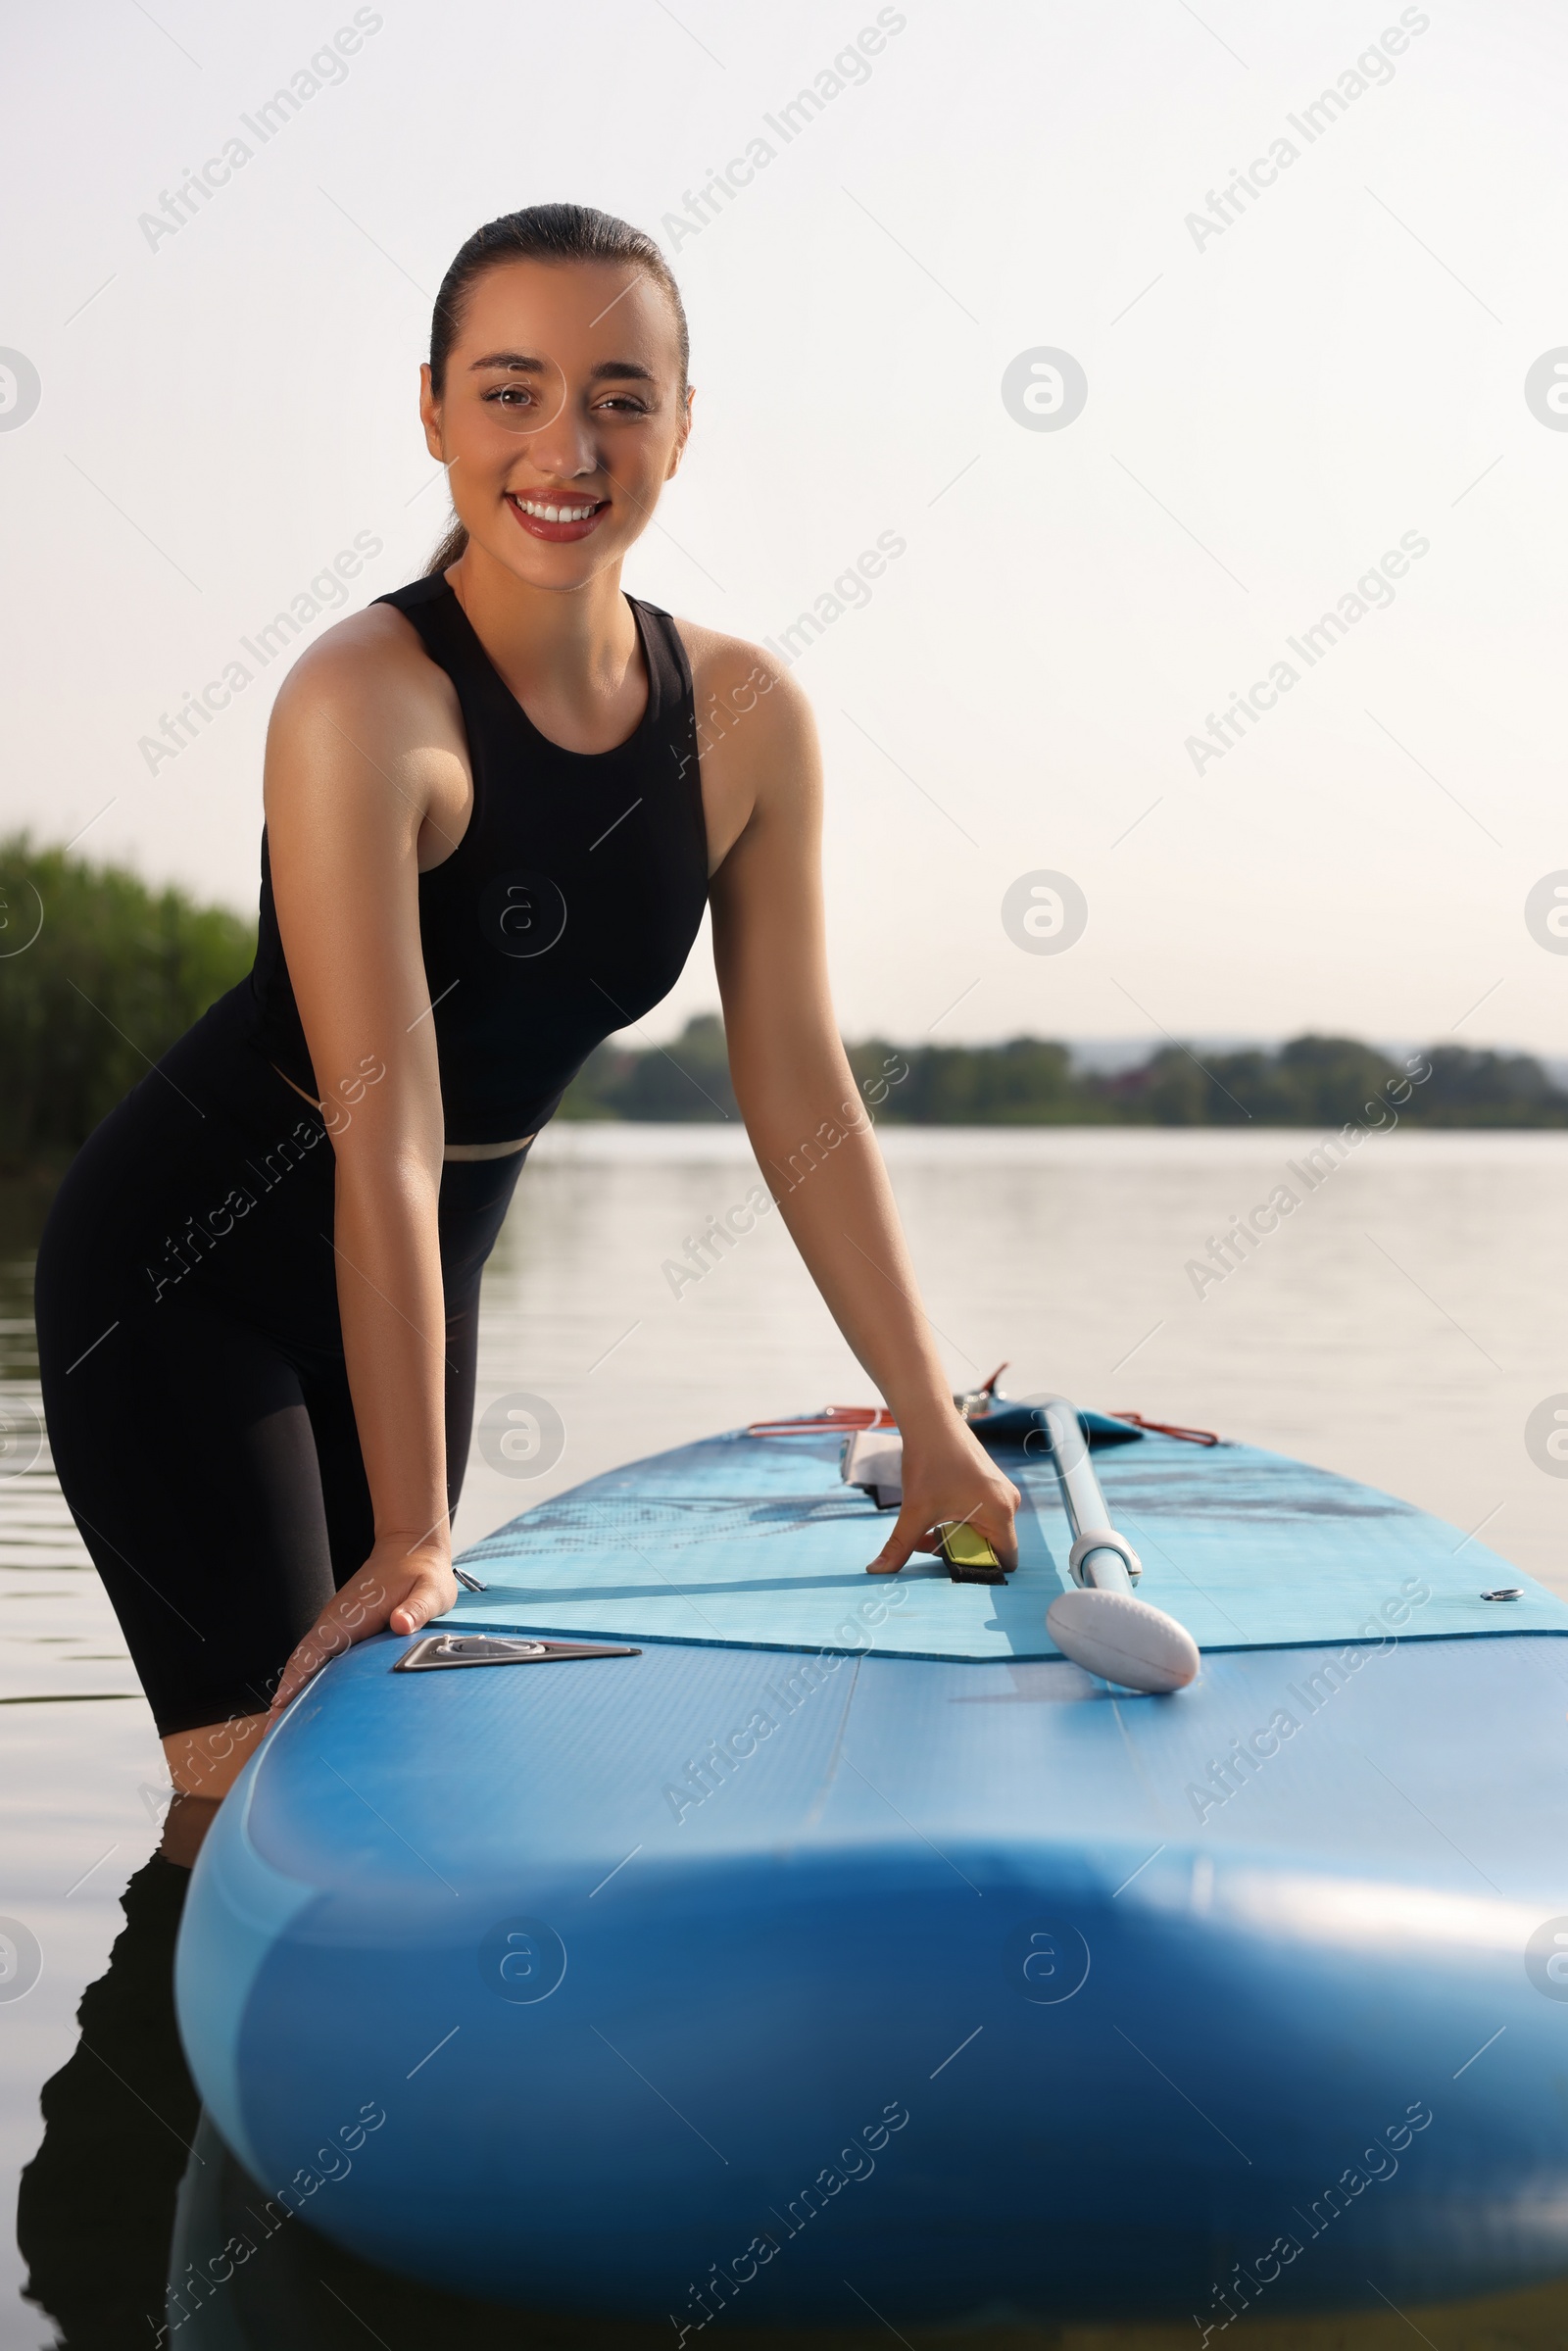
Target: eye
(509,395)
(627,404)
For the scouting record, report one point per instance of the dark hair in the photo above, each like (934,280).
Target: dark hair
(543,232)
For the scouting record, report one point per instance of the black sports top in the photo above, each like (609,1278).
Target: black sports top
(568,908)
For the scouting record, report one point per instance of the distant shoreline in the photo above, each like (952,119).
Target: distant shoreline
(1309,1083)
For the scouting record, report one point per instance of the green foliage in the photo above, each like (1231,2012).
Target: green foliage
(1328,1082)
(1022,1083)
(685,1081)
(1489,1089)
(114,973)
(117,972)
(1312,1082)
(1319,1082)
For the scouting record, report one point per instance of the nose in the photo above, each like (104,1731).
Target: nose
(566,445)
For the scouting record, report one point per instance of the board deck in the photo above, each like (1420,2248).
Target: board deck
(756,1540)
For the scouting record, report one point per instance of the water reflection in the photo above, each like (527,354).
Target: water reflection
(97,2202)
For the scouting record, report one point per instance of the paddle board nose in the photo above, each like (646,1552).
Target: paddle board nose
(926,1976)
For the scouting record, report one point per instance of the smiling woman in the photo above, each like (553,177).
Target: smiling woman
(491,832)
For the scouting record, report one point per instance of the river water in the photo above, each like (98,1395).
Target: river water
(1400,1325)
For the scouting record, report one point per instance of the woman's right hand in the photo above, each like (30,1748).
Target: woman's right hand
(399,1588)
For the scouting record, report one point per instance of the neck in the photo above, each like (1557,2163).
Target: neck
(575,644)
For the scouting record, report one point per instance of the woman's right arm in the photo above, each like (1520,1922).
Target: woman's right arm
(354,764)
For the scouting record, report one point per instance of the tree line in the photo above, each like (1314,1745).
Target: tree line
(1312,1081)
(99,974)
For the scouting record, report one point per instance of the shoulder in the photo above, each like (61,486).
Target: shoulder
(761,764)
(730,669)
(366,707)
(370,668)
(733,679)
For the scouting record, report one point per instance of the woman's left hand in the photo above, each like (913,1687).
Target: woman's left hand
(396,1587)
(948,1475)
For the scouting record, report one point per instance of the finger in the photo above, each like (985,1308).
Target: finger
(327,1637)
(1004,1543)
(908,1538)
(357,1605)
(993,1523)
(987,1522)
(427,1596)
(358,1610)
(996,1523)
(303,1666)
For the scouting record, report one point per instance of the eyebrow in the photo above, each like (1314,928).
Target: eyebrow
(520,363)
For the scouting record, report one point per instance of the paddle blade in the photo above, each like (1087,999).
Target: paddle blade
(1122,1640)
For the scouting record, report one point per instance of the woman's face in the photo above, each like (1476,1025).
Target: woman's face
(560,417)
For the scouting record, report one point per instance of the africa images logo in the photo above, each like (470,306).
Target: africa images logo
(19,389)
(1044,389)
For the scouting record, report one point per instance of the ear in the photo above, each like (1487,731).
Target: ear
(430,416)
(682,434)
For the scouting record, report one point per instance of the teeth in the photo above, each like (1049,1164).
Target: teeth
(553,513)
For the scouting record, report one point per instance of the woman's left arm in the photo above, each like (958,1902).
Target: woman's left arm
(803,1113)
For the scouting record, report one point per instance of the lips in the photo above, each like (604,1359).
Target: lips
(558,520)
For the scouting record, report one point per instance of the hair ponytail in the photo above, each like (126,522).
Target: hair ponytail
(453,545)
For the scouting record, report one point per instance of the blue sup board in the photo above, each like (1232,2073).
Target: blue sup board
(820,1945)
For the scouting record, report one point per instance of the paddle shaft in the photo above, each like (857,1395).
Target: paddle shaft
(1104,1571)
(1110,1564)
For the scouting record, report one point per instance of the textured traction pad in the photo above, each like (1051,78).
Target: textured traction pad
(756,1542)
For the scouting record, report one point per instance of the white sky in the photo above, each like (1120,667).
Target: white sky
(1344,364)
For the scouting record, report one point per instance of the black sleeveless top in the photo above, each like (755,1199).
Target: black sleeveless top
(569,905)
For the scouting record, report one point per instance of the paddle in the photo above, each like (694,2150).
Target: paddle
(1100,1625)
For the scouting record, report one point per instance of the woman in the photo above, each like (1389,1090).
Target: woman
(491,829)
